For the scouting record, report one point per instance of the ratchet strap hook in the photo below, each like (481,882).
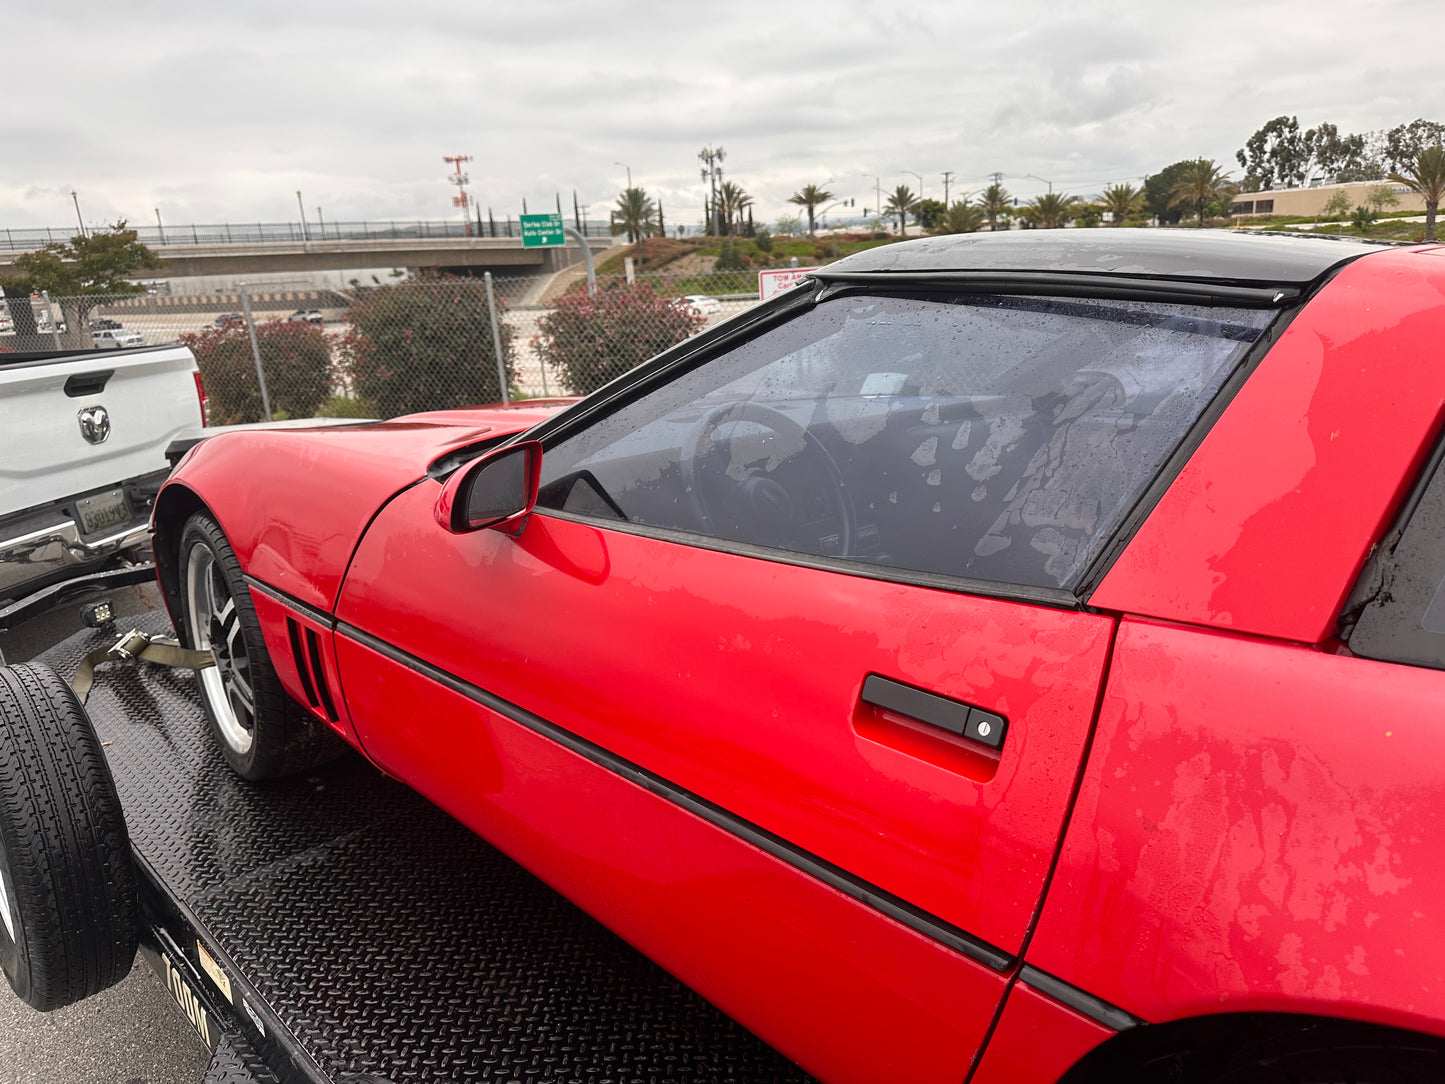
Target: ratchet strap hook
(137,646)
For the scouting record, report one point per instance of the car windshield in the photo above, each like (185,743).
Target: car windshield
(993,437)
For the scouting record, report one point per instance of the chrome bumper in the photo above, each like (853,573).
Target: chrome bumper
(48,553)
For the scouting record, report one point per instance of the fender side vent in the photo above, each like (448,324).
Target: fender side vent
(300,659)
(313,649)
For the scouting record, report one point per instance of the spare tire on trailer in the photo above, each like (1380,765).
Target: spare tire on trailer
(68,906)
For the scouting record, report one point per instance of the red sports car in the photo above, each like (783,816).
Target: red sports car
(999,657)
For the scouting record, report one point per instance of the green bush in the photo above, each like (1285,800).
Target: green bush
(764,240)
(295,357)
(730,259)
(425,345)
(591,341)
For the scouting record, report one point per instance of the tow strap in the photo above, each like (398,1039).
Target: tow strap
(138,646)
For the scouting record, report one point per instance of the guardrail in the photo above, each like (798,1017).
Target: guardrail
(27,239)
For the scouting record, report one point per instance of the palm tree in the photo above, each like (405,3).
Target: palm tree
(634,215)
(1050,211)
(902,203)
(962,217)
(1426,175)
(811,197)
(1201,182)
(1122,200)
(996,203)
(732,201)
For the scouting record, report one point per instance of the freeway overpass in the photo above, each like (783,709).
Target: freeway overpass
(260,248)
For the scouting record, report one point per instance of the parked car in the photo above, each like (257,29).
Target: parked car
(1001,654)
(230,319)
(307,316)
(115,339)
(703,305)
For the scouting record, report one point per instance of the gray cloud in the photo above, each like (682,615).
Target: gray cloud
(223,113)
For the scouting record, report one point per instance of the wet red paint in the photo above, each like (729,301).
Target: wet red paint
(1259,828)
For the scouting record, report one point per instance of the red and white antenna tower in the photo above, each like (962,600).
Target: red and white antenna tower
(460,179)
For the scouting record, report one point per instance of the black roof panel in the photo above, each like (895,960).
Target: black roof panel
(1199,255)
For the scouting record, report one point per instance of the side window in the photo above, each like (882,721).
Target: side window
(991,437)
(1403,617)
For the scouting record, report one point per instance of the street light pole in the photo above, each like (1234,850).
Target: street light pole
(1036,177)
(920,181)
(305,236)
(76,200)
(159,228)
(625,166)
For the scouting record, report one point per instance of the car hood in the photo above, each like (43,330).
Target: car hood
(294,502)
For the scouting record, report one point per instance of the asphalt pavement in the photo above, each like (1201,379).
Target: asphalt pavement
(132,1033)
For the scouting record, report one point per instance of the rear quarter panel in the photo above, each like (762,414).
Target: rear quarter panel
(1259,828)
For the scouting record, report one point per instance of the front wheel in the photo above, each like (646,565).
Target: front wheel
(263,733)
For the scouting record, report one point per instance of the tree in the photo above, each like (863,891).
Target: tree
(901,203)
(296,358)
(732,201)
(1122,201)
(1201,183)
(1158,189)
(1404,142)
(1276,156)
(426,345)
(1337,206)
(997,204)
(1049,211)
(633,214)
(788,226)
(1380,196)
(80,273)
(590,341)
(810,197)
(1426,175)
(961,217)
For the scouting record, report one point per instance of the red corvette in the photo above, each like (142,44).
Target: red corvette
(1001,657)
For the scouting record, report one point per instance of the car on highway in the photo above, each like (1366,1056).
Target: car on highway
(105,324)
(116,338)
(307,316)
(229,319)
(703,304)
(999,656)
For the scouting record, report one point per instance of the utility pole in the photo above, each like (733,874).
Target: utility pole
(460,179)
(947,176)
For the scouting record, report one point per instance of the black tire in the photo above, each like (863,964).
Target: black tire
(263,733)
(68,907)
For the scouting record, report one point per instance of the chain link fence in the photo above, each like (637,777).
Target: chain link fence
(377,352)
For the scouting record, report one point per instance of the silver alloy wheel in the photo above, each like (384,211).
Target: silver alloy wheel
(216,626)
(7,912)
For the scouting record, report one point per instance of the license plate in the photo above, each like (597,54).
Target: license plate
(102,511)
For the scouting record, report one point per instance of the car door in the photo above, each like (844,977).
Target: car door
(794,625)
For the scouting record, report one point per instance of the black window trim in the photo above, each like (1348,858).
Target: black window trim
(821,286)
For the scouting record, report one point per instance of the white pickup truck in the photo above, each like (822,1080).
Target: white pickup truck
(83,438)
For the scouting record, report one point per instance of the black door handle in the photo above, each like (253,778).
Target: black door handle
(956,717)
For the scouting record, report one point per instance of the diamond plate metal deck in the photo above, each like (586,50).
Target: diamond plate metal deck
(384,936)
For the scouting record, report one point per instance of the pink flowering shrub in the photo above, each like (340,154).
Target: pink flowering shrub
(295,357)
(590,341)
(425,345)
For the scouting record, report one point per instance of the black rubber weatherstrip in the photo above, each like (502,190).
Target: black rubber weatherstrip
(1094,1008)
(886,903)
(311,613)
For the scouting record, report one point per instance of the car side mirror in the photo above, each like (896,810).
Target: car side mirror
(498,491)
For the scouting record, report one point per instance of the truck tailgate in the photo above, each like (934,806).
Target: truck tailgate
(149,396)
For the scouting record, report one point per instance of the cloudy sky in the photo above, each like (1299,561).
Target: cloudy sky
(216,113)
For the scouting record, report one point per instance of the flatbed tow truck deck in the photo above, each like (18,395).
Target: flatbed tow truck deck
(337,927)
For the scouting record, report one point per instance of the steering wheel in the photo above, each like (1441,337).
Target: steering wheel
(768,504)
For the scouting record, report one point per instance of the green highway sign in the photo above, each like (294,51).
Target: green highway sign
(540,230)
